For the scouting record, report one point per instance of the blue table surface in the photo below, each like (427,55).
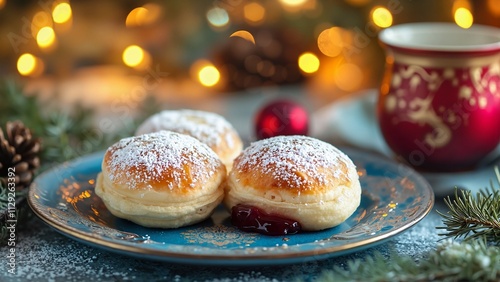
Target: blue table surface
(43,254)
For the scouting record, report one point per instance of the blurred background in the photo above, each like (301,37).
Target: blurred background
(185,51)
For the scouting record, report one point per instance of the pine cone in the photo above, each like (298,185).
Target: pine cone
(18,150)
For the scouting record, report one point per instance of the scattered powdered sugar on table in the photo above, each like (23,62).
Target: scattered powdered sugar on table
(210,128)
(150,157)
(44,255)
(420,238)
(289,158)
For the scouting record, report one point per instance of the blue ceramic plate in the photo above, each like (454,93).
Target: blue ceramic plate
(394,198)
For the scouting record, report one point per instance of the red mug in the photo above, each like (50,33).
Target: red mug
(439,101)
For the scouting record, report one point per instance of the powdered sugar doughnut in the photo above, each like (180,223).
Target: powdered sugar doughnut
(210,128)
(297,177)
(163,179)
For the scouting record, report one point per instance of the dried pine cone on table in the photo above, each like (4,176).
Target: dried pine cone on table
(18,151)
(19,155)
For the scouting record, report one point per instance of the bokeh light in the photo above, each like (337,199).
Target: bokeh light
(209,75)
(381,17)
(145,15)
(463,17)
(26,64)
(293,3)
(46,37)
(217,17)
(254,12)
(133,56)
(309,8)
(2,3)
(331,42)
(244,34)
(308,62)
(136,16)
(29,65)
(61,13)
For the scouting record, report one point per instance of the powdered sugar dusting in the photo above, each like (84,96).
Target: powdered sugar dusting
(210,128)
(296,160)
(158,156)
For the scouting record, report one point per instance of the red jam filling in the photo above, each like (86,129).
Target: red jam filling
(251,219)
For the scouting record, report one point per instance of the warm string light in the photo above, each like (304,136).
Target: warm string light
(293,3)
(42,30)
(133,55)
(209,75)
(205,73)
(46,37)
(381,17)
(462,13)
(62,13)
(62,16)
(26,64)
(29,65)
(301,6)
(463,18)
(308,63)
(136,57)
(330,42)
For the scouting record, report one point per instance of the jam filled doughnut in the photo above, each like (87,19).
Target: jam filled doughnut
(305,182)
(162,179)
(210,128)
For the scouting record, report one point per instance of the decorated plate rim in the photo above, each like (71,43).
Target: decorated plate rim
(291,256)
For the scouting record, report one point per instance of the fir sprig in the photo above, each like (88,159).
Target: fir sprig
(20,207)
(473,215)
(471,260)
(64,135)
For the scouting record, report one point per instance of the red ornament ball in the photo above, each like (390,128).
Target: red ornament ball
(281,117)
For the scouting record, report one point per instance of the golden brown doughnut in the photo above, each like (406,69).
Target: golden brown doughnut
(163,179)
(297,177)
(210,128)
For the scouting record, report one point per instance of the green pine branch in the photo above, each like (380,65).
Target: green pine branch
(471,260)
(21,209)
(65,135)
(473,215)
